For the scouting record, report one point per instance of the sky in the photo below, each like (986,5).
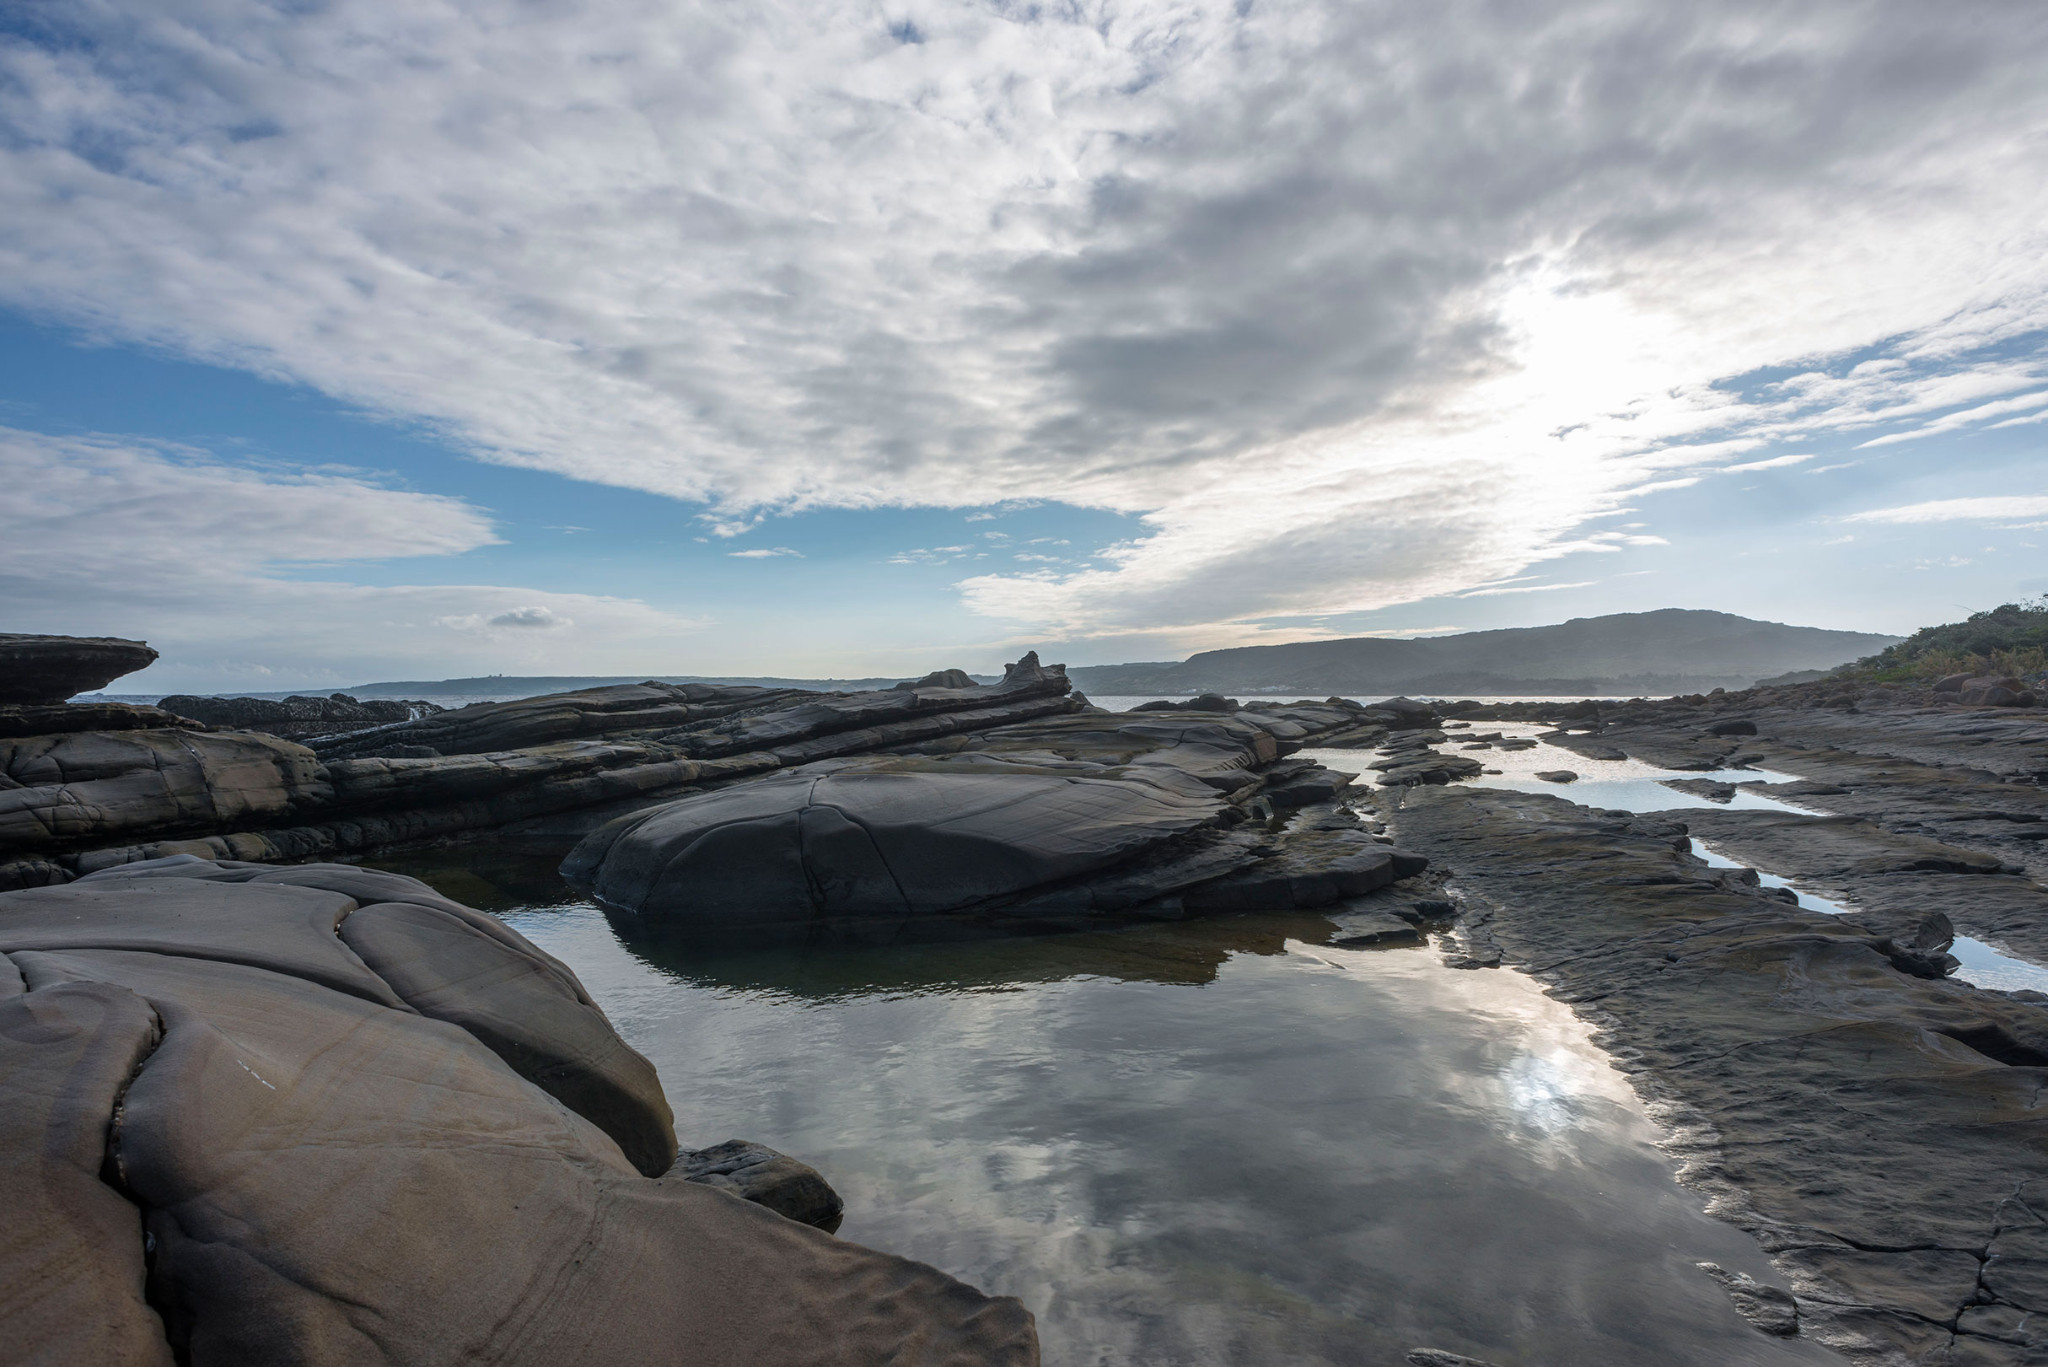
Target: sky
(344,341)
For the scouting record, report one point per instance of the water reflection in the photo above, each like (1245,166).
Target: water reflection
(1625,784)
(1205,1142)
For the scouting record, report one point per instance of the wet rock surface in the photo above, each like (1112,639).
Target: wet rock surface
(234,1136)
(49,669)
(1808,1078)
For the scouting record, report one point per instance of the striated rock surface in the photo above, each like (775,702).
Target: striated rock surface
(75,801)
(49,669)
(235,1137)
(296,718)
(1877,1130)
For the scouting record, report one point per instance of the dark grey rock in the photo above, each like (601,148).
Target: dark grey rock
(757,1173)
(1736,726)
(1770,1308)
(1557,776)
(1372,928)
(57,719)
(1713,790)
(882,841)
(940,678)
(296,718)
(50,669)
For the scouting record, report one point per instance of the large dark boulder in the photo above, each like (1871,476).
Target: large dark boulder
(231,1137)
(847,843)
(49,669)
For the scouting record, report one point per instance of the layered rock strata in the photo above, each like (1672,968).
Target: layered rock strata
(76,801)
(48,669)
(296,718)
(321,1115)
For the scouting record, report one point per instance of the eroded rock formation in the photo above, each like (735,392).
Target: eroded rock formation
(1038,825)
(74,801)
(320,1114)
(49,669)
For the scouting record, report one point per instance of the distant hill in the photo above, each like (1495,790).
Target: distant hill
(1674,650)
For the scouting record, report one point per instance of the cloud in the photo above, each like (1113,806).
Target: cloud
(238,574)
(1528,588)
(1959,510)
(1956,421)
(1353,301)
(1774,463)
(764,553)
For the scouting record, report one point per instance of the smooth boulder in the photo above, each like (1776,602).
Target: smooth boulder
(323,1173)
(884,841)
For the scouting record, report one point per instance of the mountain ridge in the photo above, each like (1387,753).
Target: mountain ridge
(1669,650)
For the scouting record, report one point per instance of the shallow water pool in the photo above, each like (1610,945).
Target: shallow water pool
(1210,1142)
(1634,785)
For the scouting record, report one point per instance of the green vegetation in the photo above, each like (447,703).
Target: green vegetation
(2009,639)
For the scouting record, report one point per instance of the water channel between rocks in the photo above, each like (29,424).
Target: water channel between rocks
(1211,1142)
(1634,786)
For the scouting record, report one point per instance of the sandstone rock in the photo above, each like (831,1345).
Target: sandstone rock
(411,947)
(78,789)
(754,1172)
(71,1250)
(50,669)
(328,1178)
(1952,683)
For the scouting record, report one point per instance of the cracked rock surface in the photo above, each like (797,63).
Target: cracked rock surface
(1884,1135)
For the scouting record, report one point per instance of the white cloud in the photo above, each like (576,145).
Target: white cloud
(764,553)
(1956,421)
(1529,588)
(214,565)
(1959,510)
(1774,463)
(1355,301)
